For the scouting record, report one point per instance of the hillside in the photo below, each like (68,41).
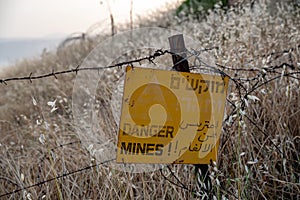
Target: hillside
(43,136)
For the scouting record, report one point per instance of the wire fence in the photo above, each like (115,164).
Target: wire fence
(244,87)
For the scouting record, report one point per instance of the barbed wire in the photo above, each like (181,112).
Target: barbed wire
(158,53)
(243,93)
(55,178)
(75,70)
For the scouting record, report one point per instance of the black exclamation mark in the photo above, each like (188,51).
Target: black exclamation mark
(170,146)
(176,147)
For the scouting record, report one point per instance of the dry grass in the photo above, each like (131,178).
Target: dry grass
(259,152)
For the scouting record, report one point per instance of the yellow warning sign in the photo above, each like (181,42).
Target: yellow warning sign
(170,117)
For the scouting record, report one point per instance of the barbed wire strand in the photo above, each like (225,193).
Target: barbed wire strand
(150,58)
(55,178)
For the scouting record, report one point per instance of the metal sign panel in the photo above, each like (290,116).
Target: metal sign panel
(170,116)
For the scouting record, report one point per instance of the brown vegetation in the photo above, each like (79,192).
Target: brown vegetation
(259,152)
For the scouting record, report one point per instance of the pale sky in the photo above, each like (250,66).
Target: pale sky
(41,18)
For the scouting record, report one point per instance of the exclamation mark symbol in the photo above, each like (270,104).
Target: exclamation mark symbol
(176,147)
(170,146)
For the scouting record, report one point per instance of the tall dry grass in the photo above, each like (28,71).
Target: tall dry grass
(259,151)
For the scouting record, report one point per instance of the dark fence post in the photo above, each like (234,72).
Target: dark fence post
(181,64)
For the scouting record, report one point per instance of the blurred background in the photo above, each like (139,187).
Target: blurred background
(29,27)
